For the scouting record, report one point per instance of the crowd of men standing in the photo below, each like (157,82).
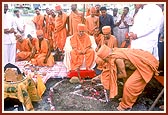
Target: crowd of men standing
(57,26)
(144,30)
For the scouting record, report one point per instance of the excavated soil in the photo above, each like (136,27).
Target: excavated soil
(61,95)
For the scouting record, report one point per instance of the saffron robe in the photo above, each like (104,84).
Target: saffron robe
(81,44)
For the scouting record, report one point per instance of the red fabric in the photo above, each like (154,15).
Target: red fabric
(83,73)
(160,79)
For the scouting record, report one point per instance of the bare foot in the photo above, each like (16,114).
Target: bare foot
(119,99)
(122,109)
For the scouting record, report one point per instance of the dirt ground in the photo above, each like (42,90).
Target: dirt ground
(66,96)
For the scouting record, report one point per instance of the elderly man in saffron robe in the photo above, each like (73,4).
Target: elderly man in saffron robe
(24,48)
(42,55)
(81,48)
(120,61)
(60,31)
(107,39)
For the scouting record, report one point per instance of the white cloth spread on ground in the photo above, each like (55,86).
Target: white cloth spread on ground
(57,71)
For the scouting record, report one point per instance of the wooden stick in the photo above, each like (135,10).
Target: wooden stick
(156,100)
(83,17)
(78,71)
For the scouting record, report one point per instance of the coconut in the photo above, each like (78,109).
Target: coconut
(44,73)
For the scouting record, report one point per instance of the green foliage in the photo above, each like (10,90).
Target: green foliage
(25,11)
(31,11)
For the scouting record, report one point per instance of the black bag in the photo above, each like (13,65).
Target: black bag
(9,104)
(59,55)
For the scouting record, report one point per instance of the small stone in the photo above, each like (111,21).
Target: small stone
(74,80)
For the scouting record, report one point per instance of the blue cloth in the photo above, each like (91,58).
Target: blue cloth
(106,21)
(98,72)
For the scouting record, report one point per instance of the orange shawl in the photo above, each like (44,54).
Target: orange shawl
(145,63)
(47,29)
(60,33)
(91,24)
(24,46)
(112,42)
(39,21)
(74,20)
